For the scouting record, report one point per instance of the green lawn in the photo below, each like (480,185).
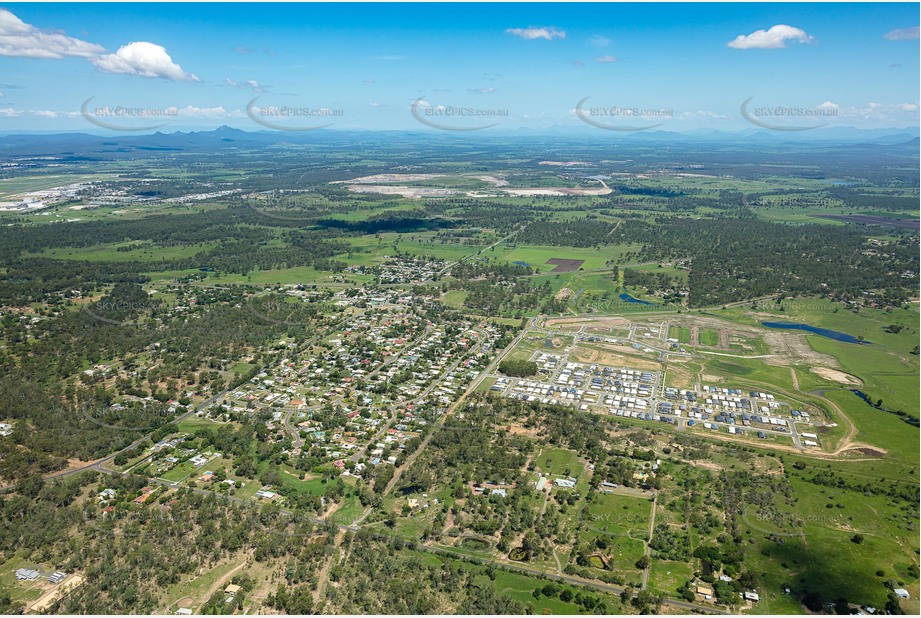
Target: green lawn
(681,333)
(537,256)
(558,462)
(619,515)
(667,576)
(455,298)
(19,591)
(708,337)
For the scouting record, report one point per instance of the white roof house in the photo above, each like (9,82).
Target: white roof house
(27,574)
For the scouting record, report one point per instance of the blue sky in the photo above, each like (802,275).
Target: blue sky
(515,66)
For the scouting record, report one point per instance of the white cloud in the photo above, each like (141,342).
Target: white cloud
(9,112)
(597,41)
(249,84)
(200,112)
(701,115)
(374,104)
(18,38)
(606,59)
(773,38)
(144,59)
(828,105)
(882,113)
(532,32)
(903,34)
(483,90)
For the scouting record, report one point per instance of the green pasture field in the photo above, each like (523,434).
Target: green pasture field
(109,252)
(536,256)
(521,587)
(681,333)
(455,298)
(557,461)
(821,551)
(11,188)
(709,337)
(667,576)
(619,515)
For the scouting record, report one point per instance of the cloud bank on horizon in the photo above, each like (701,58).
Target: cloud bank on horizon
(694,60)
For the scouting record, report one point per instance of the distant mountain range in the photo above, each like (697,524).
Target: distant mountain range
(106,146)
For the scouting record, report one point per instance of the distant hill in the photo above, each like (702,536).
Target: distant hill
(91,146)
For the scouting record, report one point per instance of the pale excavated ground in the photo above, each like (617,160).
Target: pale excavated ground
(559,191)
(611,358)
(680,377)
(792,349)
(408,192)
(419,192)
(59,591)
(378,183)
(564,293)
(388,178)
(517,429)
(837,376)
(613,322)
(702,321)
(381,178)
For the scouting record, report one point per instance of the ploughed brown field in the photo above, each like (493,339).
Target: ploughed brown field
(564,265)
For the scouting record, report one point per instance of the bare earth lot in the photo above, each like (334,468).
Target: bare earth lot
(565,265)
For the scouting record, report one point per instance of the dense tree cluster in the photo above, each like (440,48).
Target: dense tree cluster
(575,233)
(737,259)
(518,368)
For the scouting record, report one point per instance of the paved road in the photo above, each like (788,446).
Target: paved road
(99,464)
(652,525)
(569,579)
(441,419)
(355,527)
(297,441)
